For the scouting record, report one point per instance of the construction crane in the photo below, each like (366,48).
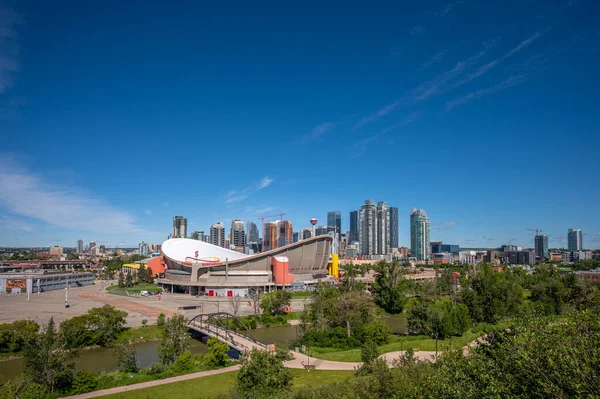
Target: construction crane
(537,231)
(262,219)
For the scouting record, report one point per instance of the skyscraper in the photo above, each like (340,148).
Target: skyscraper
(541,246)
(575,240)
(383,228)
(353,227)
(217,234)
(321,230)
(306,233)
(393,227)
(80,246)
(419,234)
(144,249)
(285,234)
(270,236)
(296,236)
(179,227)
(367,228)
(237,236)
(197,235)
(334,219)
(251,233)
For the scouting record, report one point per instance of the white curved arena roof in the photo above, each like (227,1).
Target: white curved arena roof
(184,249)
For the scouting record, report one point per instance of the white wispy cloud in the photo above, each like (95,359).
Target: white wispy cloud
(449,223)
(486,67)
(435,227)
(440,82)
(25,193)
(321,129)
(240,195)
(477,94)
(166,204)
(435,59)
(235,198)
(446,8)
(417,30)
(362,146)
(380,113)
(265,182)
(12,224)
(148,212)
(9,47)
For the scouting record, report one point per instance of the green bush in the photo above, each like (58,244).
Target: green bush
(217,357)
(377,332)
(183,364)
(156,368)
(160,321)
(84,382)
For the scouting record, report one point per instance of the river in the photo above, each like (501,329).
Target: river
(99,359)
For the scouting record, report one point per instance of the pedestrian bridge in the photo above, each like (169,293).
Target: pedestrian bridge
(226,328)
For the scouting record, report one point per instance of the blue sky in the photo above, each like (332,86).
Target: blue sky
(116,116)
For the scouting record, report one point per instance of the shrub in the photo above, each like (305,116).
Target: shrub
(160,321)
(183,364)
(217,357)
(84,382)
(377,332)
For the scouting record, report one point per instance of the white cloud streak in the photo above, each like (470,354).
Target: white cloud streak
(477,94)
(26,194)
(485,68)
(380,113)
(362,146)
(234,196)
(417,30)
(321,129)
(435,59)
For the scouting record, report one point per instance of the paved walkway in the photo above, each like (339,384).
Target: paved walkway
(149,384)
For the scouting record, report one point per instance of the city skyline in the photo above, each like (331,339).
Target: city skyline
(420,96)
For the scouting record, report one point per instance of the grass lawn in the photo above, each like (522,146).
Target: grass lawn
(136,289)
(420,342)
(150,332)
(210,386)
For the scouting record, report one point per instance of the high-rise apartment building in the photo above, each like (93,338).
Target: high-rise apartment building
(367,228)
(285,233)
(383,228)
(237,236)
(541,246)
(197,235)
(575,240)
(217,234)
(334,219)
(305,234)
(393,227)
(321,230)
(144,248)
(353,227)
(179,227)
(79,246)
(251,233)
(270,236)
(419,234)
(296,236)
(92,245)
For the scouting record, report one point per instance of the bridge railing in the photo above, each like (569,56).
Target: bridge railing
(213,323)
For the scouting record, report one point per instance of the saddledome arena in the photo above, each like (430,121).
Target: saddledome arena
(196,267)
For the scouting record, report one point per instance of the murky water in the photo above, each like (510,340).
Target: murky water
(98,359)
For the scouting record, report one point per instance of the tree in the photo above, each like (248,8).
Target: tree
(445,282)
(184,363)
(142,274)
(126,356)
(76,332)
(354,309)
(389,287)
(85,381)
(14,336)
(418,318)
(22,387)
(47,361)
(349,278)
(263,374)
(491,295)
(129,280)
(160,320)
(234,304)
(274,302)
(121,280)
(217,355)
(175,339)
(107,323)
